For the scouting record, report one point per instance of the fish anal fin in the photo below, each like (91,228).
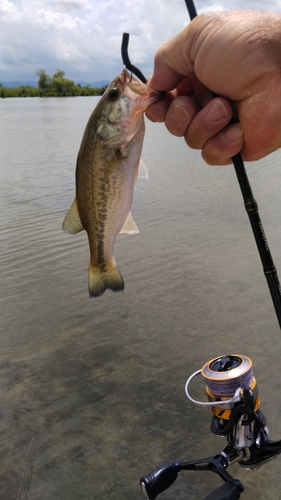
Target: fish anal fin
(72,223)
(142,170)
(130,226)
(101,280)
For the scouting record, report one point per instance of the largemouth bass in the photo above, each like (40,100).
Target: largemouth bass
(107,166)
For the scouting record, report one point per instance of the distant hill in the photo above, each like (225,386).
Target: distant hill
(33,83)
(101,83)
(19,83)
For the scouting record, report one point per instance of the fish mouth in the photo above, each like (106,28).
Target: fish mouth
(144,94)
(125,76)
(139,88)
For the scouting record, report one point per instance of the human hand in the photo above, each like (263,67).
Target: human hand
(236,55)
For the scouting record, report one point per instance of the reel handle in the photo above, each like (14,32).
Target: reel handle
(158,480)
(228,491)
(161,478)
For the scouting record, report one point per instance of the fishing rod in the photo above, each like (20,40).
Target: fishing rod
(251,207)
(250,203)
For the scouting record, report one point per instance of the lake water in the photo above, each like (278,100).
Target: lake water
(92,391)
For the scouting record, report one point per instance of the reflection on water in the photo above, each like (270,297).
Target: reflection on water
(99,384)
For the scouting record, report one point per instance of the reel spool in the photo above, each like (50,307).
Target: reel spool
(225,378)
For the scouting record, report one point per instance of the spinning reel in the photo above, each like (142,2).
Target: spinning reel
(233,397)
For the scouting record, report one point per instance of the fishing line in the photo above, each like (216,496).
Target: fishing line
(223,381)
(125,19)
(253,214)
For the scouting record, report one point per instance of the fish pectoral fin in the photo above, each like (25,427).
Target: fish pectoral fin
(130,226)
(142,171)
(72,223)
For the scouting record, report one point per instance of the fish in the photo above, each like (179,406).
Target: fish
(108,164)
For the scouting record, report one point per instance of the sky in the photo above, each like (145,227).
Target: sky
(83,37)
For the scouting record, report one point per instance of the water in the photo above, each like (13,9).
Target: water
(99,384)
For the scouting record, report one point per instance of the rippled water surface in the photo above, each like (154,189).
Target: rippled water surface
(92,391)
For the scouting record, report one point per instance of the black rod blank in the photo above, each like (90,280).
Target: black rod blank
(253,214)
(251,207)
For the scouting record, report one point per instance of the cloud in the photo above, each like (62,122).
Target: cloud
(66,5)
(9,12)
(83,37)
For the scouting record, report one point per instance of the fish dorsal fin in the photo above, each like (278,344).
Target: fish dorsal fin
(142,171)
(72,223)
(130,226)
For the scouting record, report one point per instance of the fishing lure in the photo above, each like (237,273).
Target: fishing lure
(126,60)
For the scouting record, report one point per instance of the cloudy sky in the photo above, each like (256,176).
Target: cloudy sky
(83,37)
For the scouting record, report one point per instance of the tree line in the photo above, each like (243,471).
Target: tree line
(51,86)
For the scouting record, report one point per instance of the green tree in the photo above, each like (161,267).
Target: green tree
(44,81)
(59,74)
(62,85)
(57,85)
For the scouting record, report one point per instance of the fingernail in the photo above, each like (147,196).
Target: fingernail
(233,133)
(217,111)
(180,115)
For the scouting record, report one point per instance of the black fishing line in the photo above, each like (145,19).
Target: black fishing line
(126,60)
(252,211)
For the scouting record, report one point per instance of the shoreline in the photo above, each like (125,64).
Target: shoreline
(28,91)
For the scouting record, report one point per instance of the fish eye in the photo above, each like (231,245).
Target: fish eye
(113,94)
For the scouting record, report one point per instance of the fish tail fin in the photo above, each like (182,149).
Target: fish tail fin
(100,280)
